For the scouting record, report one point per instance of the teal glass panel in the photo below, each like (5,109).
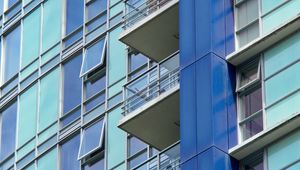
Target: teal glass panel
(25,149)
(268,5)
(282,84)
(281,55)
(28,70)
(277,153)
(26,1)
(49,99)
(113,2)
(120,167)
(50,54)
(116,9)
(51,32)
(48,161)
(117,57)
(283,110)
(280,16)
(116,139)
(47,133)
(31,37)
(116,88)
(30,167)
(27,115)
(294,167)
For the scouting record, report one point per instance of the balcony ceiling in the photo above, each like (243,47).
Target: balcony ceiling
(155,36)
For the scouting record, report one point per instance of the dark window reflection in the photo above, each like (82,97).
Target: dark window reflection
(251,103)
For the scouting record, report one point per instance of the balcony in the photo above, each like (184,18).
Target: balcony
(168,159)
(151,27)
(151,104)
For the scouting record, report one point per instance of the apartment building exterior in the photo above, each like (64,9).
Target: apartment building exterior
(149,84)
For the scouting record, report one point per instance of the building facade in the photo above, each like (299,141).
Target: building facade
(149,84)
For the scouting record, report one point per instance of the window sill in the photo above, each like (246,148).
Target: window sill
(264,42)
(266,137)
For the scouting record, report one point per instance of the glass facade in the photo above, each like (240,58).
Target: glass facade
(77,93)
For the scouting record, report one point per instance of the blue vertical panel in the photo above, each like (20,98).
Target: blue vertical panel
(229,26)
(187,32)
(188,124)
(231,107)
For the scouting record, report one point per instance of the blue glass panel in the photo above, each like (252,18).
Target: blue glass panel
(72,83)
(95,7)
(135,145)
(71,117)
(93,56)
(12,53)
(1,7)
(138,160)
(8,131)
(69,152)
(136,61)
(96,101)
(74,15)
(92,132)
(98,165)
(95,85)
(11,3)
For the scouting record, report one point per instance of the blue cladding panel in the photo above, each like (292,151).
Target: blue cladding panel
(188,113)
(187,32)
(229,26)
(231,107)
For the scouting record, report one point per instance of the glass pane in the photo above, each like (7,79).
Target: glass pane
(117,57)
(251,103)
(10,3)
(49,99)
(48,161)
(94,56)
(8,131)
(95,165)
(254,162)
(248,75)
(252,127)
(247,12)
(135,145)
(12,53)
(51,32)
(94,102)
(95,7)
(31,37)
(92,132)
(72,83)
(69,152)
(74,15)
(136,61)
(94,85)
(27,115)
(248,34)
(138,160)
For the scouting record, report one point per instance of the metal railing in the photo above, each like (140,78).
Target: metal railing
(151,84)
(141,9)
(168,159)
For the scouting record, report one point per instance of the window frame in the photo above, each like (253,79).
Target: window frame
(245,89)
(101,140)
(103,56)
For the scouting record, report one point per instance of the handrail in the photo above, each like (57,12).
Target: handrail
(151,84)
(175,163)
(141,11)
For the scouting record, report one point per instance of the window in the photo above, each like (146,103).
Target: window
(97,164)
(8,131)
(253,162)
(74,17)
(92,138)
(247,21)
(10,3)
(48,161)
(95,7)
(137,64)
(72,83)
(94,56)
(12,53)
(137,152)
(250,100)
(69,152)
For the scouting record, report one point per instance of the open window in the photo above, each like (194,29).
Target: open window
(250,104)
(94,56)
(92,139)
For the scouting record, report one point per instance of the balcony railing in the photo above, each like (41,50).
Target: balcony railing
(141,9)
(168,159)
(148,86)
